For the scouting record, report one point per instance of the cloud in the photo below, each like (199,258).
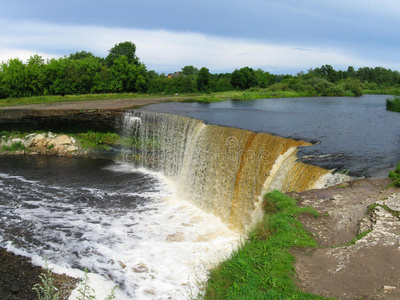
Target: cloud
(167,51)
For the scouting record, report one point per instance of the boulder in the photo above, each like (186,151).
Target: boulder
(38,138)
(51,142)
(41,144)
(63,140)
(28,142)
(71,148)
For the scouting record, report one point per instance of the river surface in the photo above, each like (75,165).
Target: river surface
(129,226)
(353,134)
(119,222)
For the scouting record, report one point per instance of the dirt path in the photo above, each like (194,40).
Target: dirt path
(366,269)
(93,104)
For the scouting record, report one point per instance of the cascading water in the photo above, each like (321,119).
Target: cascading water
(130,224)
(222,170)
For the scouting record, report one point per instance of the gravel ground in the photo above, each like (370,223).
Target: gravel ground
(18,276)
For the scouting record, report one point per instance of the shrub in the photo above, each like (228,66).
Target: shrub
(395,175)
(393,104)
(46,290)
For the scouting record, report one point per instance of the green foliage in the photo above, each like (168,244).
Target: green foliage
(46,290)
(393,104)
(92,139)
(189,70)
(127,49)
(85,291)
(395,176)
(81,55)
(121,72)
(243,78)
(17,146)
(203,79)
(262,268)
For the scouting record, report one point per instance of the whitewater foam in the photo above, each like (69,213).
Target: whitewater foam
(158,249)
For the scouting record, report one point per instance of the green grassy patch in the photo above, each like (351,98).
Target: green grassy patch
(14,147)
(383,91)
(251,94)
(263,268)
(395,176)
(58,98)
(266,94)
(393,104)
(355,239)
(92,139)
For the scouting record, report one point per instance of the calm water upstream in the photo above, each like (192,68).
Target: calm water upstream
(356,134)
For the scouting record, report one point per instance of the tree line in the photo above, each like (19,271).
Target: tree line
(122,71)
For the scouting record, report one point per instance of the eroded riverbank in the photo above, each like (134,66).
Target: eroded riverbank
(358,253)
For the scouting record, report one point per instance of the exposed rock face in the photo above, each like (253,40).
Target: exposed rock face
(346,266)
(62,140)
(49,143)
(41,119)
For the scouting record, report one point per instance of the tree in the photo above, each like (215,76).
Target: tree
(127,49)
(189,70)
(13,81)
(244,78)
(35,77)
(203,79)
(327,72)
(81,55)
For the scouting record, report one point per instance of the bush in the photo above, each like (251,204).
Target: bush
(393,104)
(395,175)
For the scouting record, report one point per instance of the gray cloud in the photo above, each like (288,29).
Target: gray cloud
(363,29)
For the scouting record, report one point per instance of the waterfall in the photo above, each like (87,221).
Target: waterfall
(222,170)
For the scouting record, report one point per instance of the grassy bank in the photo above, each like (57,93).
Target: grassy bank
(54,99)
(88,140)
(393,104)
(263,268)
(254,93)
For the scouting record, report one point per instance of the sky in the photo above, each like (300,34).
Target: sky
(282,37)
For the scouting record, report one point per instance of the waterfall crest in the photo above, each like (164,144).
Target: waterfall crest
(222,170)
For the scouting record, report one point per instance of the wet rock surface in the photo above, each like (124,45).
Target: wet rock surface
(358,236)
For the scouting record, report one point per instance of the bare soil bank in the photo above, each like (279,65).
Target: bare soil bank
(18,276)
(93,114)
(93,104)
(340,267)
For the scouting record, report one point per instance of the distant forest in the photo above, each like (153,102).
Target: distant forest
(122,71)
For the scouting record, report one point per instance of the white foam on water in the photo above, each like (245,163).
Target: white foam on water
(159,250)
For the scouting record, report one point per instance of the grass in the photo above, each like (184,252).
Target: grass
(254,93)
(92,139)
(89,140)
(263,268)
(355,239)
(393,104)
(46,289)
(395,176)
(265,94)
(387,91)
(18,146)
(54,99)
